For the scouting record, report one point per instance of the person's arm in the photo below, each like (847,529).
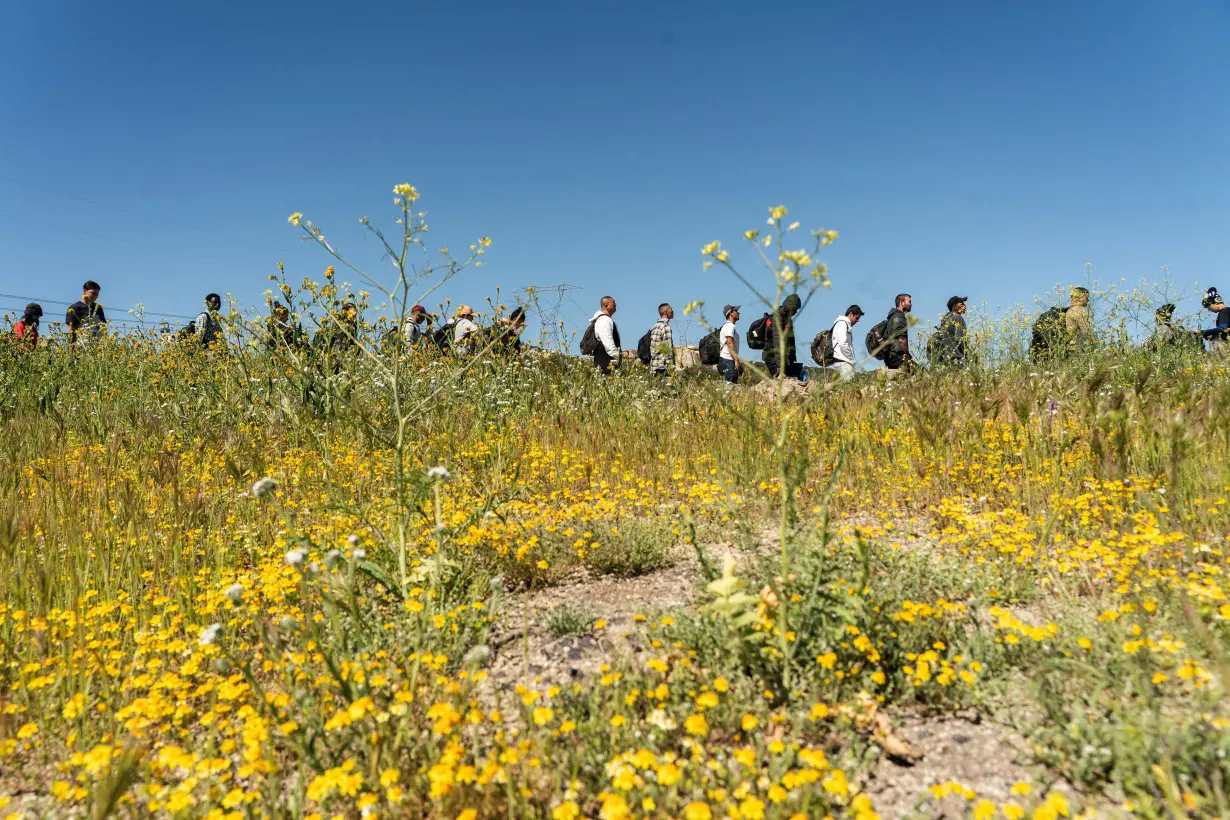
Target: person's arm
(730,345)
(604,329)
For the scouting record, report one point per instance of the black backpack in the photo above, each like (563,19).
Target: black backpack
(589,341)
(442,337)
(711,347)
(822,347)
(1048,332)
(644,351)
(758,331)
(877,340)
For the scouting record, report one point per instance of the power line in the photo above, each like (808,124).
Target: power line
(146,311)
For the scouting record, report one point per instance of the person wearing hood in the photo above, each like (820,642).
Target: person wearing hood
(26,330)
(1214,303)
(779,353)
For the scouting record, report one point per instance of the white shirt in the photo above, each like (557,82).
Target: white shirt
(843,344)
(728,332)
(604,329)
(462,329)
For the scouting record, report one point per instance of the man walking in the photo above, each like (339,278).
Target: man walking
(85,319)
(728,340)
(417,326)
(897,355)
(662,341)
(464,329)
(843,342)
(1077,319)
(952,339)
(607,335)
(282,331)
(779,348)
(208,326)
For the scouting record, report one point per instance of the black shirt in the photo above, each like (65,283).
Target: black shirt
(82,315)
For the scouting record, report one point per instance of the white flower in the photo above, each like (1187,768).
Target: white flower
(478,655)
(295,557)
(353,539)
(359,555)
(209,634)
(438,473)
(288,622)
(235,592)
(264,487)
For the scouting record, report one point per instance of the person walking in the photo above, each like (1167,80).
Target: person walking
(606,332)
(208,325)
(340,332)
(281,331)
(952,339)
(843,343)
(463,329)
(26,329)
(1170,335)
(662,341)
(86,319)
(417,326)
(1219,334)
(779,355)
(1078,320)
(729,364)
(897,356)
(506,334)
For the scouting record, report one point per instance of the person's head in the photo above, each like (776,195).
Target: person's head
(731,312)
(418,313)
(517,317)
(90,290)
(608,305)
(32,314)
(1165,314)
(666,311)
(791,304)
(280,311)
(957,304)
(854,313)
(213,301)
(1212,301)
(465,312)
(904,302)
(1080,296)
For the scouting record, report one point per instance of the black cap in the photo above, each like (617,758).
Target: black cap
(854,310)
(956,300)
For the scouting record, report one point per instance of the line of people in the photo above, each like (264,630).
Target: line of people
(1056,333)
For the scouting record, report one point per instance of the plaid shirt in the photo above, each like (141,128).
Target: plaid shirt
(661,345)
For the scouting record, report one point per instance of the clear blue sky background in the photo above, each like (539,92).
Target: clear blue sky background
(971,148)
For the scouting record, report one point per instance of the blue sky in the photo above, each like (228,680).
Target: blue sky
(971,148)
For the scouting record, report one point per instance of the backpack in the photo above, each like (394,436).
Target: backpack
(711,347)
(758,331)
(822,347)
(1048,331)
(589,340)
(442,337)
(644,351)
(877,340)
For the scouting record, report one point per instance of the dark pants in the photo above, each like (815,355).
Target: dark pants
(602,361)
(793,370)
(728,370)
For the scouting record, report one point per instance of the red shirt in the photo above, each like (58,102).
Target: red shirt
(28,334)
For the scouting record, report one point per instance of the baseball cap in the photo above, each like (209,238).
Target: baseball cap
(956,300)
(418,309)
(728,308)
